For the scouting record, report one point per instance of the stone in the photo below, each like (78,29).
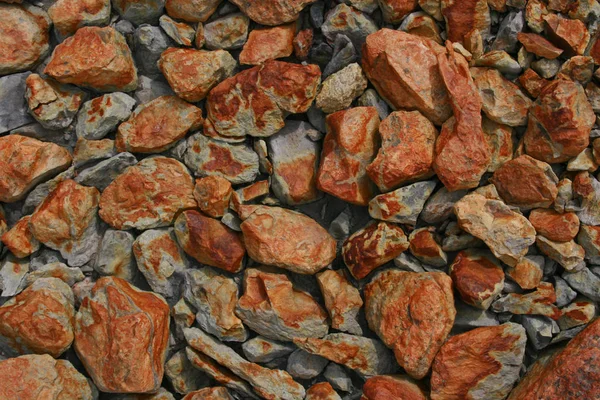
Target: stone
(193,73)
(482,362)
(180,32)
(547,69)
(553,225)
(463,16)
(268,383)
(97,58)
(528,272)
(468,317)
(141,11)
(425,247)
(27,162)
(403,205)
(304,365)
(406,152)
(412,313)
(13,111)
(585,282)
(346,20)
(70,15)
(342,301)
(115,255)
(147,195)
(286,239)
(439,207)
(571,35)
(195,11)
(38,320)
(302,43)
(349,146)
(322,391)
(156,126)
(103,114)
(370,98)
(149,42)
(209,241)
(340,89)
(214,393)
(539,46)
(344,54)
(368,357)
(532,83)
(338,378)
(500,141)
(13,274)
(273,12)
(539,302)
(568,254)
(67,221)
(19,239)
(41,191)
(540,330)
(229,32)
(478,277)
(461,151)
(502,61)
(589,238)
(265,308)
(268,44)
(103,173)
(70,276)
(237,163)
(263,350)
(41,376)
(212,194)
(25,33)
(586,188)
(421,24)
(421,87)
(583,162)
(564,293)
(507,233)
(394,11)
(502,101)
(510,27)
(578,313)
(384,387)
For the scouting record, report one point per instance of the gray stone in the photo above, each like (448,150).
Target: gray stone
(13,106)
(65,138)
(370,98)
(320,52)
(68,275)
(41,191)
(317,12)
(568,334)
(587,238)
(231,220)
(304,365)
(344,54)
(57,112)
(338,378)
(102,115)
(151,88)
(564,293)
(43,257)
(13,273)
(115,255)
(348,21)
(261,349)
(408,262)
(500,60)
(92,151)
(340,89)
(546,68)
(585,282)
(511,25)
(589,214)
(460,242)
(183,376)
(339,228)
(468,317)
(264,164)
(103,173)
(316,117)
(539,330)
(409,200)
(139,11)
(440,205)
(149,43)
(227,33)
(178,151)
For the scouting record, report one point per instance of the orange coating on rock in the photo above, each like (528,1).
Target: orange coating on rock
(553,225)
(212,194)
(476,278)
(391,387)
(19,239)
(268,44)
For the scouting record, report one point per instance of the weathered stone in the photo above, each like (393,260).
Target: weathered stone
(482,363)
(425,247)
(13,105)
(346,20)
(463,16)
(413,314)
(583,162)
(532,82)
(102,174)
(589,239)
(304,365)
(13,274)
(539,46)
(342,300)
(149,42)
(273,12)
(229,32)
(147,195)
(192,11)
(585,282)
(528,272)
(421,24)
(209,393)
(212,194)
(568,254)
(439,207)
(19,239)
(322,391)
(507,233)
(70,276)
(510,27)
(262,350)
(571,35)
(139,11)
(539,302)
(564,293)
(100,116)
(344,54)
(555,226)
(547,69)
(340,89)
(337,376)
(587,188)
(70,15)
(302,43)
(402,205)
(180,32)
(98,58)
(115,255)
(468,317)
(500,60)
(385,387)
(268,44)
(578,313)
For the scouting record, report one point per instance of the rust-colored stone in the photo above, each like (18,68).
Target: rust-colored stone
(571,35)
(539,302)
(212,194)
(321,391)
(394,11)
(302,43)
(539,46)
(210,393)
(70,15)
(390,387)
(192,11)
(532,82)
(19,239)
(463,16)
(342,300)
(268,44)
(499,138)
(425,247)
(527,273)
(272,12)
(555,226)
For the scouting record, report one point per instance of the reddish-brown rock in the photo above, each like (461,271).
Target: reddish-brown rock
(19,239)
(148,195)
(268,44)
(372,247)
(286,239)
(119,316)
(25,162)
(70,15)
(528,272)
(461,151)
(407,150)
(156,126)
(349,146)
(394,11)
(322,391)
(413,314)
(539,302)
(571,35)
(555,226)
(425,247)
(463,16)
(526,182)
(272,12)
(342,300)
(98,58)
(211,393)
(389,387)
(482,363)
(209,241)
(302,43)
(212,194)
(404,70)
(532,82)
(192,11)
(500,140)
(478,277)
(539,46)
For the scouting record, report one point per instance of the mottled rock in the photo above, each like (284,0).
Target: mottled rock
(209,393)
(589,239)
(577,313)
(192,11)
(70,15)
(587,188)
(180,32)
(341,88)
(510,27)
(100,116)
(212,194)
(149,42)
(539,302)
(539,46)
(272,12)
(13,274)
(532,83)
(553,225)
(463,16)
(302,43)
(115,255)
(528,272)
(139,11)
(502,61)
(425,247)
(58,270)
(102,174)
(229,32)
(342,300)
(262,350)
(568,254)
(402,205)
(344,53)
(346,20)
(268,44)
(19,239)
(571,35)
(385,387)
(89,151)
(394,11)
(585,282)
(440,205)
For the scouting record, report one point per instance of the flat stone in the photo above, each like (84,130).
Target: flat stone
(340,89)
(338,378)
(425,247)
(342,301)
(13,110)
(273,12)
(58,270)
(468,317)
(229,32)
(571,35)
(102,174)
(70,15)
(539,302)
(212,194)
(268,44)
(403,205)
(539,46)
(304,365)
(510,27)
(463,16)
(19,239)
(568,254)
(575,314)
(528,272)
(584,282)
(115,255)
(262,350)
(101,115)
(139,11)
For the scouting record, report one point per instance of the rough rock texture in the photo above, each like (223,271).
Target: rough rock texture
(272,12)
(568,254)
(268,44)
(403,205)
(425,247)
(14,112)
(212,194)
(139,11)
(19,239)
(342,300)
(192,11)
(341,88)
(386,387)
(100,116)
(553,225)
(412,313)
(70,15)
(115,255)
(464,16)
(539,302)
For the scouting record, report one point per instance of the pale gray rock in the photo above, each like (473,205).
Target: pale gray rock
(588,239)
(183,37)
(338,378)
(103,173)
(115,255)
(468,317)
(348,21)
(344,54)
(151,88)
(178,151)
(546,68)
(43,257)
(102,115)
(564,293)
(182,374)
(584,282)
(149,43)
(510,27)
(440,205)
(316,117)
(13,274)
(408,262)
(540,330)
(41,191)
(139,11)
(370,98)
(13,106)
(589,213)
(304,365)
(227,33)
(231,220)
(460,242)
(403,205)
(262,350)
(340,89)
(568,334)
(161,394)
(69,275)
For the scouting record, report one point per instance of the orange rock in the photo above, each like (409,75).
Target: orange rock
(98,58)
(272,12)
(148,195)
(539,46)
(389,387)
(571,35)
(25,162)
(24,37)
(193,73)
(578,69)
(461,151)
(478,277)
(532,82)
(212,194)
(156,126)
(212,393)
(70,15)
(192,11)
(555,226)
(463,16)
(421,24)
(342,300)
(499,138)
(209,241)
(39,320)
(412,313)
(286,239)
(302,43)
(394,11)
(528,272)
(119,316)
(349,146)
(19,239)
(424,246)
(406,152)
(407,82)
(322,391)
(539,302)
(268,44)
(526,182)
(372,247)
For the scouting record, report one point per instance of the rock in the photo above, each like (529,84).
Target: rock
(229,32)
(341,88)
(421,87)
(424,246)
(461,151)
(403,205)
(540,330)
(268,44)
(151,88)
(539,46)
(269,384)
(576,314)
(209,241)
(13,110)
(97,58)
(302,43)
(41,376)
(344,54)
(587,188)
(585,282)
(322,391)
(67,221)
(237,163)
(27,162)
(13,273)
(70,15)
(25,33)
(342,301)
(273,12)
(560,121)
(19,239)
(413,314)
(539,302)
(370,98)
(104,172)
(214,393)
(463,16)
(547,69)
(196,11)
(507,233)
(263,350)
(70,276)
(406,152)
(304,365)
(532,83)
(566,372)
(589,239)
(394,11)
(510,27)
(568,254)
(346,155)
(212,194)
(500,60)
(149,42)
(142,327)
(528,272)
(193,73)
(115,255)
(264,308)
(39,320)
(140,11)
(583,162)
(421,24)
(553,225)
(564,294)
(468,317)
(345,20)
(180,32)
(338,378)
(100,116)
(482,363)
(156,126)
(440,205)
(147,195)
(390,387)
(571,35)
(478,277)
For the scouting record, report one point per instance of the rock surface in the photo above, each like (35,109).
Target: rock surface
(100,116)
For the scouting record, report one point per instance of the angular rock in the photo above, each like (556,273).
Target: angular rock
(568,254)
(139,11)
(342,300)
(576,314)
(585,282)
(302,43)
(344,54)
(425,247)
(192,11)
(13,274)
(70,276)
(304,365)
(149,42)
(212,194)
(403,205)
(439,207)
(571,35)
(340,89)
(13,110)
(510,27)
(394,11)
(587,188)
(115,255)
(338,378)
(528,272)
(262,350)
(102,174)
(463,16)
(100,116)
(421,24)
(70,15)
(503,62)
(272,12)
(19,239)
(180,32)
(322,391)
(346,20)
(468,317)
(589,239)
(209,393)
(532,82)
(539,46)
(539,302)
(268,44)
(385,387)
(229,32)
(553,225)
